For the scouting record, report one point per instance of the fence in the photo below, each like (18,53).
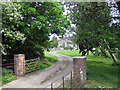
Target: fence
(20,66)
(32,65)
(63,82)
(9,65)
(76,79)
(67,81)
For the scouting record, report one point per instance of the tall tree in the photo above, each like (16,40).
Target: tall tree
(27,26)
(93,30)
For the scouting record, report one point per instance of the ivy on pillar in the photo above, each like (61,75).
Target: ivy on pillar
(19,64)
(79,69)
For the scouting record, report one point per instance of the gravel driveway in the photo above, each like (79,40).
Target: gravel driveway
(42,79)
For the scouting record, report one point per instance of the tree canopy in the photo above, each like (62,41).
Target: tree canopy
(93,27)
(27,26)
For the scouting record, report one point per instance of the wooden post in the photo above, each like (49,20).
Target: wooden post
(63,82)
(39,62)
(51,86)
(79,68)
(71,80)
(19,64)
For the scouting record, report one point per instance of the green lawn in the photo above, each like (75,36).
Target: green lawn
(100,71)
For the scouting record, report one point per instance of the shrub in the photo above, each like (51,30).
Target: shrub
(7,76)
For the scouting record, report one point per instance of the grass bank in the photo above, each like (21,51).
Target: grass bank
(48,61)
(8,75)
(100,72)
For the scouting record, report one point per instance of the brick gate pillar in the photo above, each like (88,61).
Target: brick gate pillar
(19,64)
(79,69)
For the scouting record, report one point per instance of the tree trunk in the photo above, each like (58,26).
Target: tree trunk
(106,55)
(87,52)
(119,53)
(112,55)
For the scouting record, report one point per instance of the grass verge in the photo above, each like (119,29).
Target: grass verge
(48,61)
(100,72)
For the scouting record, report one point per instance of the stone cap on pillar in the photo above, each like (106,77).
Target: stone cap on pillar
(79,57)
(19,54)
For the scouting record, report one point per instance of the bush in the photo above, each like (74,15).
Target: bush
(7,76)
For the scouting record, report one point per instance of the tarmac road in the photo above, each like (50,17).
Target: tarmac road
(41,79)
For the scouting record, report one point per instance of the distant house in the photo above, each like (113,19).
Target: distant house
(66,42)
